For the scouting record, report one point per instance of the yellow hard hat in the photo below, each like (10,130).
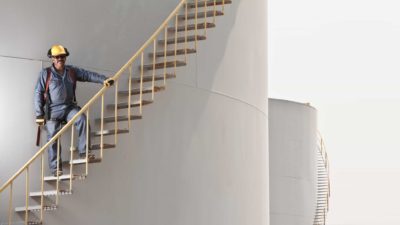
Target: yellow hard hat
(56,50)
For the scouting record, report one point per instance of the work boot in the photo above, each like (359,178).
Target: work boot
(60,173)
(91,156)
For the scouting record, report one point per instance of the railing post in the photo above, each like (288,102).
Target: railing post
(129,97)
(10,204)
(58,169)
(215,11)
(102,127)
(71,162)
(176,41)
(27,196)
(116,114)
(154,71)
(205,17)
(141,83)
(165,56)
(186,29)
(87,141)
(195,22)
(42,189)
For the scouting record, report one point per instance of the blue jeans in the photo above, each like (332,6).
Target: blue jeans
(55,124)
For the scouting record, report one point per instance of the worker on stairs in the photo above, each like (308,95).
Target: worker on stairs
(55,101)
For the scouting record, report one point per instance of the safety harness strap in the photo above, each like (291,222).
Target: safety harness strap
(71,74)
(47,83)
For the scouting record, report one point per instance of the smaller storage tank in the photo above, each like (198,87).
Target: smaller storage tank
(293,163)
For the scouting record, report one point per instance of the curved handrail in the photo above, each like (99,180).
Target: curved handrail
(95,97)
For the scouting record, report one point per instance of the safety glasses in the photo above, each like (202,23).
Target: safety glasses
(59,57)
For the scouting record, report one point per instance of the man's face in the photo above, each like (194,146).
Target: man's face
(59,61)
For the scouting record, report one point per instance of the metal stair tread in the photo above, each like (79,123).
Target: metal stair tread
(30,222)
(109,132)
(62,177)
(189,38)
(156,78)
(192,27)
(181,51)
(168,64)
(111,119)
(209,3)
(82,161)
(136,103)
(146,90)
(49,193)
(35,208)
(200,15)
(105,146)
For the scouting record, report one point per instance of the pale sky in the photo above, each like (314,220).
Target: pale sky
(343,57)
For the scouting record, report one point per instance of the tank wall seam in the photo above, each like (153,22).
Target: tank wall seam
(221,94)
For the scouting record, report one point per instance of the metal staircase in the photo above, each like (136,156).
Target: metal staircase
(323,184)
(165,50)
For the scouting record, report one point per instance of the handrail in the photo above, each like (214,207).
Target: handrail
(94,98)
(148,42)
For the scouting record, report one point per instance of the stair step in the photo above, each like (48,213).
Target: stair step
(110,132)
(119,118)
(31,222)
(62,177)
(82,161)
(189,38)
(147,90)
(161,65)
(36,208)
(124,105)
(201,15)
(190,27)
(105,146)
(172,52)
(209,3)
(156,78)
(50,193)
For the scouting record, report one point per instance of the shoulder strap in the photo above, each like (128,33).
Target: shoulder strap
(47,83)
(72,75)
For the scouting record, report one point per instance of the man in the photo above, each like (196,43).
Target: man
(56,86)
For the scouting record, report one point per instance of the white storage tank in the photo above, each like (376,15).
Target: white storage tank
(293,169)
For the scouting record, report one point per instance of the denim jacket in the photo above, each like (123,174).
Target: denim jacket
(61,93)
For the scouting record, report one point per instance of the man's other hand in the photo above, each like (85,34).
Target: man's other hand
(109,82)
(40,120)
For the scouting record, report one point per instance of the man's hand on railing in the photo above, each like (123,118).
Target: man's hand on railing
(109,82)
(40,120)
